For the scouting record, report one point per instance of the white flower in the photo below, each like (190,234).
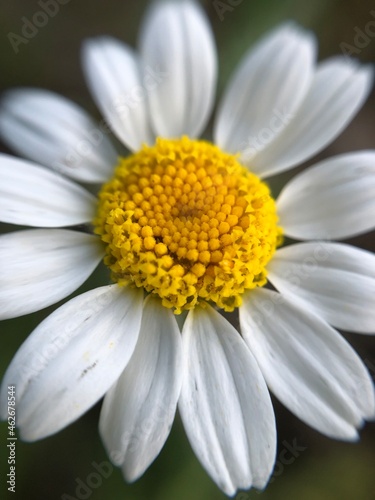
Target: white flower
(280,109)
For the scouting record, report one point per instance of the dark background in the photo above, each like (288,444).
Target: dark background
(49,469)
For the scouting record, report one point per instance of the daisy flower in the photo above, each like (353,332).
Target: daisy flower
(187,228)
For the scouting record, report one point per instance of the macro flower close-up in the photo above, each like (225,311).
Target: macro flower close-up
(191,235)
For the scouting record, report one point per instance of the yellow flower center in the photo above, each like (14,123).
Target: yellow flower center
(186,221)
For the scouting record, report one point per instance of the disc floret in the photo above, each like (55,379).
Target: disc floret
(187,221)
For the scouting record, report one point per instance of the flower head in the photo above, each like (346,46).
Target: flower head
(188,228)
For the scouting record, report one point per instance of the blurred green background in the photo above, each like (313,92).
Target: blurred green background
(49,469)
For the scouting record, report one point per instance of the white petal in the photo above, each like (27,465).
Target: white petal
(307,364)
(337,92)
(266,91)
(225,405)
(335,281)
(34,196)
(138,412)
(56,133)
(42,266)
(72,358)
(114,77)
(177,43)
(333,199)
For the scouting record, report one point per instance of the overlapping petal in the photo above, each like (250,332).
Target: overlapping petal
(72,358)
(225,405)
(113,74)
(31,195)
(333,199)
(138,411)
(307,364)
(266,91)
(42,266)
(338,90)
(177,43)
(57,133)
(335,281)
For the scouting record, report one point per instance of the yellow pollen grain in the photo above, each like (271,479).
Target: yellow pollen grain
(188,222)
